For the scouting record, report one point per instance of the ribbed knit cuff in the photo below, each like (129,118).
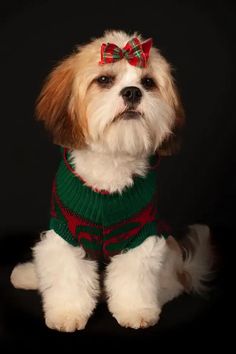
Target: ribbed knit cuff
(62,230)
(148,230)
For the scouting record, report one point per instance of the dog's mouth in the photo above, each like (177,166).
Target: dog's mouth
(129,114)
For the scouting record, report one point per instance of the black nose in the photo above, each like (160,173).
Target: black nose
(131,94)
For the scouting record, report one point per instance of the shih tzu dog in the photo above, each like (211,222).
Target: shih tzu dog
(113,107)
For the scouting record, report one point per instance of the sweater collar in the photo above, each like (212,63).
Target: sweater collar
(154,162)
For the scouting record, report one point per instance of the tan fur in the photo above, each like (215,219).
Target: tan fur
(183,276)
(173,244)
(171,145)
(63,102)
(189,245)
(185,279)
(55,108)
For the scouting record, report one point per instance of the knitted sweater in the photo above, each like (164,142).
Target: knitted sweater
(103,224)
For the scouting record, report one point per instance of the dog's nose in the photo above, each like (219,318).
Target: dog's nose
(131,94)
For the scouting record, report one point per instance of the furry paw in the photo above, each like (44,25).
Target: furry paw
(136,319)
(65,320)
(24,276)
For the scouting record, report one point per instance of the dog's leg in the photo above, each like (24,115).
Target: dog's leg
(24,276)
(67,281)
(132,284)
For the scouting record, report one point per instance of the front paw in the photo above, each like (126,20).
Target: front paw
(65,320)
(137,318)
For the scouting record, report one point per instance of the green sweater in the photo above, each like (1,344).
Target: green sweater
(103,224)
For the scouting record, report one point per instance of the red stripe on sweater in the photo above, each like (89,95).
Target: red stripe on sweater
(73,221)
(146,215)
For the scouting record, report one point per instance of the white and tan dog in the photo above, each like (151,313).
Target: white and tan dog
(112,116)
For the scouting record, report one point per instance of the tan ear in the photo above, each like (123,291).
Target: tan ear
(171,145)
(55,109)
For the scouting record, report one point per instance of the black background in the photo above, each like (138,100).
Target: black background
(197,185)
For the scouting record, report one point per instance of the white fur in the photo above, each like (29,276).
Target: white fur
(138,283)
(134,137)
(67,281)
(119,169)
(169,284)
(24,276)
(200,264)
(132,284)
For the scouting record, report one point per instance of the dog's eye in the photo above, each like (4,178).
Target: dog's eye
(148,83)
(105,80)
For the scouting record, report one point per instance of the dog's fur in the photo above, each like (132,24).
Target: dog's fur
(108,149)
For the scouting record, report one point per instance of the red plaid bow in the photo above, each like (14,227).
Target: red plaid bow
(135,52)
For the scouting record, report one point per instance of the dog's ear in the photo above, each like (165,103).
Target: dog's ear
(171,145)
(55,108)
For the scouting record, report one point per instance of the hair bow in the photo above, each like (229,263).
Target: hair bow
(134,51)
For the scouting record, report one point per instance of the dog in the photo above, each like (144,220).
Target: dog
(113,107)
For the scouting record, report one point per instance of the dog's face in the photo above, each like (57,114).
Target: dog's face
(114,107)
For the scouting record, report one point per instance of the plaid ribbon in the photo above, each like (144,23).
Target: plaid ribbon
(134,51)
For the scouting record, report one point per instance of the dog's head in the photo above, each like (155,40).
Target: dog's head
(116,107)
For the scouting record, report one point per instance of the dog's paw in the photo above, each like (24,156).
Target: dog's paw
(140,318)
(65,320)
